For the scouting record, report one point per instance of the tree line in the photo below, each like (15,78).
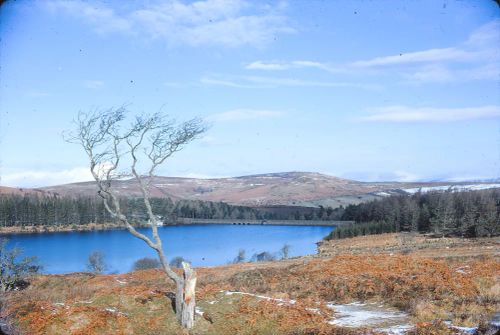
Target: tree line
(33,210)
(467,214)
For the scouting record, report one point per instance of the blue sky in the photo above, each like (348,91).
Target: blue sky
(369,90)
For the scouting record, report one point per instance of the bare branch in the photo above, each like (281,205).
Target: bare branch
(109,147)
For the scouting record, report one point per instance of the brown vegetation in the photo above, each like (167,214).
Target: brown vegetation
(286,188)
(463,290)
(417,244)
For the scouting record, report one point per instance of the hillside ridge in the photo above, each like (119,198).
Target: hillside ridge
(293,188)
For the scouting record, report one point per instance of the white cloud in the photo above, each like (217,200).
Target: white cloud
(273,82)
(40,178)
(224,82)
(297,64)
(488,34)
(405,176)
(93,84)
(229,23)
(245,115)
(260,65)
(211,141)
(405,114)
(477,58)
(438,73)
(426,56)
(276,82)
(102,18)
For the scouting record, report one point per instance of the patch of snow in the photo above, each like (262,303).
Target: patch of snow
(198,310)
(383,194)
(464,330)
(463,270)
(452,188)
(369,315)
(283,301)
(395,330)
(114,311)
(121,281)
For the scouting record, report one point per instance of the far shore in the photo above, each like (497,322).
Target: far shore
(179,222)
(59,229)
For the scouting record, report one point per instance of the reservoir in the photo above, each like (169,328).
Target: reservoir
(203,245)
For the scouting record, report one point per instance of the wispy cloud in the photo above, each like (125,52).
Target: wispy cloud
(39,178)
(93,84)
(426,56)
(215,81)
(229,23)
(245,115)
(103,19)
(405,176)
(405,114)
(439,73)
(274,82)
(477,58)
(279,66)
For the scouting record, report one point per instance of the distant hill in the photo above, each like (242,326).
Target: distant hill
(23,191)
(307,189)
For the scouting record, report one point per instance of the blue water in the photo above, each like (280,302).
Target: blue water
(203,245)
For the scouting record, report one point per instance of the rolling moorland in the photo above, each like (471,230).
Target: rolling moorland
(307,189)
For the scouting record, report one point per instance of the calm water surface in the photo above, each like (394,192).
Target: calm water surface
(203,245)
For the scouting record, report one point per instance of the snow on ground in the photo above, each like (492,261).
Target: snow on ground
(279,301)
(379,317)
(376,316)
(452,188)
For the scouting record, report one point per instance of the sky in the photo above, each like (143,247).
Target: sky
(367,90)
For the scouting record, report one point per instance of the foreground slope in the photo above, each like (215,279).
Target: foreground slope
(284,297)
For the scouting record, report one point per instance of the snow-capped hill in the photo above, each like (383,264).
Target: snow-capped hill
(451,188)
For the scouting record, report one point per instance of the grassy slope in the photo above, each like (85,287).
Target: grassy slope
(463,289)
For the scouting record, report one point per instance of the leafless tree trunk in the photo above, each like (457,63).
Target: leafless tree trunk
(116,153)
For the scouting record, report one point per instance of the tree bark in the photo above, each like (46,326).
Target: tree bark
(185,297)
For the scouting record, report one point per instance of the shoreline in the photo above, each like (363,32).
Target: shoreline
(60,229)
(180,222)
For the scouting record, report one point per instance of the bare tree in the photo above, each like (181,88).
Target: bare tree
(241,256)
(96,262)
(117,152)
(13,270)
(146,263)
(285,251)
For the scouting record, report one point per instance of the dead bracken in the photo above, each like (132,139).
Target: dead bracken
(431,295)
